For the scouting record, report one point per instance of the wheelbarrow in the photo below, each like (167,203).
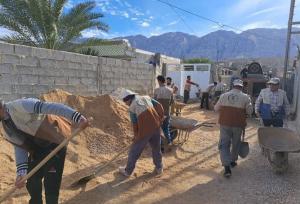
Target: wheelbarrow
(181,128)
(276,144)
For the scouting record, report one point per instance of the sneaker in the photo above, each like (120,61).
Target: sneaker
(233,164)
(227,172)
(158,171)
(122,170)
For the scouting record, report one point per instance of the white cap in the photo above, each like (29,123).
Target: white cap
(126,93)
(274,80)
(238,82)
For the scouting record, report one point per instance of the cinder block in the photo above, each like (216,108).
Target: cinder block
(6,48)
(29,79)
(6,68)
(119,63)
(23,50)
(91,74)
(111,61)
(13,59)
(47,80)
(47,63)
(41,89)
(23,88)
(73,81)
(42,53)
(89,66)
(88,81)
(75,65)
(61,80)
(29,61)
(6,89)
(21,69)
(57,55)
(61,64)
(93,60)
(9,78)
(106,68)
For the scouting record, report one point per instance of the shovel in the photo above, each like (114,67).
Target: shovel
(88,175)
(6,194)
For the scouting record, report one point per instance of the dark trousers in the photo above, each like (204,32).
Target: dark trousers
(273,122)
(137,148)
(51,172)
(186,96)
(204,99)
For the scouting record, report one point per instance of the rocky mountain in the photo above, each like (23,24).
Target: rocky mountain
(219,45)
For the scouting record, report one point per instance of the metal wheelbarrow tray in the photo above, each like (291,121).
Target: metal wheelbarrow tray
(185,126)
(276,143)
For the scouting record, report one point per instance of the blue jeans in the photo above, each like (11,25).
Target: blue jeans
(166,129)
(137,148)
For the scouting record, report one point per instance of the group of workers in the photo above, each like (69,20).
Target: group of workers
(272,106)
(35,128)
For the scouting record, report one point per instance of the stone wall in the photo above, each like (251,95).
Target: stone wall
(28,72)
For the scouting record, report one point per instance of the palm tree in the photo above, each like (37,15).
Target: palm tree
(43,23)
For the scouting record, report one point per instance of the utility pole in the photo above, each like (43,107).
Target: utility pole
(288,40)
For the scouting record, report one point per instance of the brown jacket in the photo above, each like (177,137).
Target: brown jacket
(233,107)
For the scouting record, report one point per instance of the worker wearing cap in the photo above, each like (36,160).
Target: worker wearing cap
(272,104)
(146,116)
(233,107)
(35,128)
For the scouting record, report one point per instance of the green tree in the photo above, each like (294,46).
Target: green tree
(197,60)
(43,23)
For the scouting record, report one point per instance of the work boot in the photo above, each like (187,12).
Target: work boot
(233,164)
(158,171)
(227,172)
(122,170)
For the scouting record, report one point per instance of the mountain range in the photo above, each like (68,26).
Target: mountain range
(219,45)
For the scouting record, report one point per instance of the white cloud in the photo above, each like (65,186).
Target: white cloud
(69,5)
(260,24)
(127,4)
(5,32)
(173,23)
(93,33)
(145,24)
(243,6)
(125,14)
(264,11)
(134,19)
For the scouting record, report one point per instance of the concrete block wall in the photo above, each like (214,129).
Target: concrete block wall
(29,72)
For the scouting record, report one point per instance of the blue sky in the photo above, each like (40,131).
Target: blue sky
(150,17)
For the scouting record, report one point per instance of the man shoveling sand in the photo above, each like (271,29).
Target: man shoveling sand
(37,127)
(146,115)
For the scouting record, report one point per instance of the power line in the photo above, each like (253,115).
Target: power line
(182,19)
(209,19)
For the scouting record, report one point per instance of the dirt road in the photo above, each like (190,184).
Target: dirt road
(192,175)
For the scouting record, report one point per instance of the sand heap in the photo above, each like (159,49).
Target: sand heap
(110,128)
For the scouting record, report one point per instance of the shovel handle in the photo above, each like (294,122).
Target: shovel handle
(6,194)
(99,168)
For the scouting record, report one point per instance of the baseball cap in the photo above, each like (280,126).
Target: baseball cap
(238,82)
(274,80)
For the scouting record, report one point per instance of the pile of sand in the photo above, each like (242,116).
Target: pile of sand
(110,128)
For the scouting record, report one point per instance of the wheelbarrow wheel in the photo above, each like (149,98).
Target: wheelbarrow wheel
(278,161)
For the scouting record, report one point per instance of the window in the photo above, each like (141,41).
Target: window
(188,67)
(202,68)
